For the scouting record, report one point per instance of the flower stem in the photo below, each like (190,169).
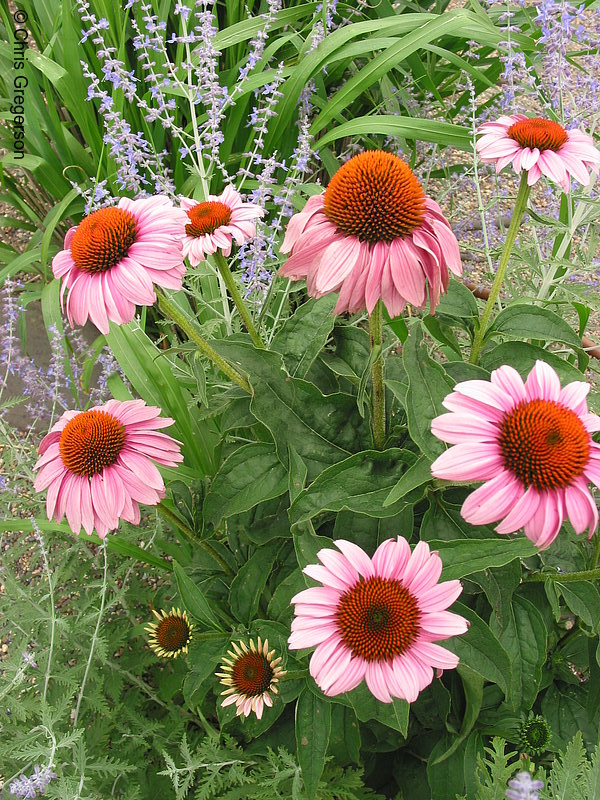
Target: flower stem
(233,290)
(191,536)
(376,339)
(596,556)
(565,577)
(515,222)
(179,319)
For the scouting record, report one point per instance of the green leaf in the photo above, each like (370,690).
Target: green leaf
(303,335)
(446,777)
(522,356)
(583,599)
(480,650)
(567,713)
(313,728)
(250,475)
(418,128)
(428,385)
(249,583)
(151,375)
(530,322)
(344,741)
(473,688)
(416,475)
(322,428)
(360,483)
(525,640)
(194,600)
(466,556)
(307,544)
(297,473)
(393,715)
(458,301)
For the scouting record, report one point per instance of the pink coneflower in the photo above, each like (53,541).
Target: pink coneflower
(539,146)
(250,675)
(531,443)
(213,224)
(372,234)
(97,464)
(115,255)
(377,619)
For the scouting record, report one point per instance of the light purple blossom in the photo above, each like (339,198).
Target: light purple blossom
(523,787)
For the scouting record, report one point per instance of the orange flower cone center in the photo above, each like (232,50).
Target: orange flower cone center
(172,633)
(90,442)
(103,239)
(541,133)
(252,674)
(376,197)
(378,619)
(207,217)
(544,444)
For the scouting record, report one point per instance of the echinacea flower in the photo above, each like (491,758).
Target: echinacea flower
(535,735)
(214,223)
(97,464)
(539,146)
(531,443)
(171,634)
(250,675)
(373,234)
(377,619)
(114,256)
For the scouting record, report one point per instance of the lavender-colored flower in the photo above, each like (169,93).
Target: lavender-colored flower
(523,787)
(33,786)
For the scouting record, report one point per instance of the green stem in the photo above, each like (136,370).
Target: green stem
(179,319)
(596,556)
(376,339)
(233,290)
(191,536)
(513,229)
(565,577)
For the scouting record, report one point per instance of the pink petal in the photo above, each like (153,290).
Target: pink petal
(471,461)
(493,500)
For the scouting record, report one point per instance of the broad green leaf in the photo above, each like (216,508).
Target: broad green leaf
(344,741)
(446,777)
(499,585)
(566,711)
(322,428)
(473,689)
(418,128)
(583,598)
(360,483)
(530,322)
(194,600)
(525,640)
(297,473)
(466,556)
(307,544)
(248,585)
(393,715)
(458,301)
(480,650)
(250,475)
(416,475)
(313,728)
(303,335)
(522,356)
(428,385)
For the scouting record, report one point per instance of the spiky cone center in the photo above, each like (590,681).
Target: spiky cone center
(90,442)
(171,634)
(376,197)
(541,133)
(544,444)
(251,671)
(378,618)
(102,239)
(535,735)
(207,217)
